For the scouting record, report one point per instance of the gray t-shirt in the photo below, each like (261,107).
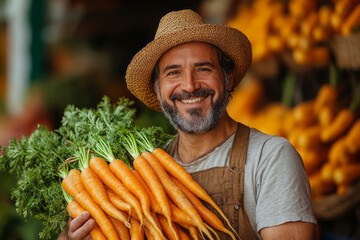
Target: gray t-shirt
(276,187)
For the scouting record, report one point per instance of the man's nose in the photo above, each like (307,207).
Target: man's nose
(189,83)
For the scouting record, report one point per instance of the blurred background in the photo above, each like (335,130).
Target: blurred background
(59,52)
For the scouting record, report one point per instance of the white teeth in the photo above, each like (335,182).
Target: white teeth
(193,100)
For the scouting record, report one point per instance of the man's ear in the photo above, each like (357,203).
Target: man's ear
(231,81)
(156,91)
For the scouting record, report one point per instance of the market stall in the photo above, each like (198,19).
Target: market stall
(303,85)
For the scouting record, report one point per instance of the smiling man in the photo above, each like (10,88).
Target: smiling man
(188,72)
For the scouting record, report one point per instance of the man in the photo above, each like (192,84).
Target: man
(188,72)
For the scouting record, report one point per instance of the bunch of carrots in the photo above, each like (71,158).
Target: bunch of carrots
(302,28)
(325,131)
(154,198)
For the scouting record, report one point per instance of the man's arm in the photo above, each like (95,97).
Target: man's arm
(289,231)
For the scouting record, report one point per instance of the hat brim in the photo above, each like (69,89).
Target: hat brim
(230,40)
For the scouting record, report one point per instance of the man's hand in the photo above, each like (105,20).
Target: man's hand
(78,228)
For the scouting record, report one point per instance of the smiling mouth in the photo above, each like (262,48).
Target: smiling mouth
(192,100)
(196,96)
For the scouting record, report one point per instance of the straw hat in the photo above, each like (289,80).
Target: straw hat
(180,27)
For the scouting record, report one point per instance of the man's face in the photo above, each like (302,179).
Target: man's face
(191,87)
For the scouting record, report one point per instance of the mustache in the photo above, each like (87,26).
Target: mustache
(200,92)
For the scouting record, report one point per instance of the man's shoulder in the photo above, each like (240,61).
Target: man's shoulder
(269,148)
(259,138)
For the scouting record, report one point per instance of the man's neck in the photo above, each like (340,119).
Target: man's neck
(193,146)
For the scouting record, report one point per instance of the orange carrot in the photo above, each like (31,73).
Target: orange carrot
(154,205)
(293,136)
(336,21)
(116,200)
(304,114)
(313,55)
(339,154)
(152,181)
(346,174)
(175,194)
(168,228)
(123,172)
(245,100)
(324,15)
(310,137)
(327,114)
(205,213)
(102,170)
(339,126)
(352,138)
(178,216)
(136,231)
(149,234)
(327,172)
(72,184)
(351,21)
(152,231)
(344,7)
(312,158)
(182,234)
(327,95)
(308,24)
(276,43)
(96,189)
(121,229)
(125,175)
(74,209)
(148,227)
(194,233)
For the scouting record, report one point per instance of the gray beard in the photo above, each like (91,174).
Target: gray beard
(197,123)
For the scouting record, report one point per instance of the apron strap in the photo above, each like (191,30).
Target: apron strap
(237,161)
(238,153)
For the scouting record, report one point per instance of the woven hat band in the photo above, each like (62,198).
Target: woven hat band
(174,21)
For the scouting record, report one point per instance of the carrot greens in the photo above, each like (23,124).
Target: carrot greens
(35,160)
(131,145)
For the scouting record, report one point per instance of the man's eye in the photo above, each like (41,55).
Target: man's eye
(173,72)
(204,69)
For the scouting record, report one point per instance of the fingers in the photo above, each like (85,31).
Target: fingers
(80,227)
(87,237)
(79,221)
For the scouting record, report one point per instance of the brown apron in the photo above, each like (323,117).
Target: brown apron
(226,186)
